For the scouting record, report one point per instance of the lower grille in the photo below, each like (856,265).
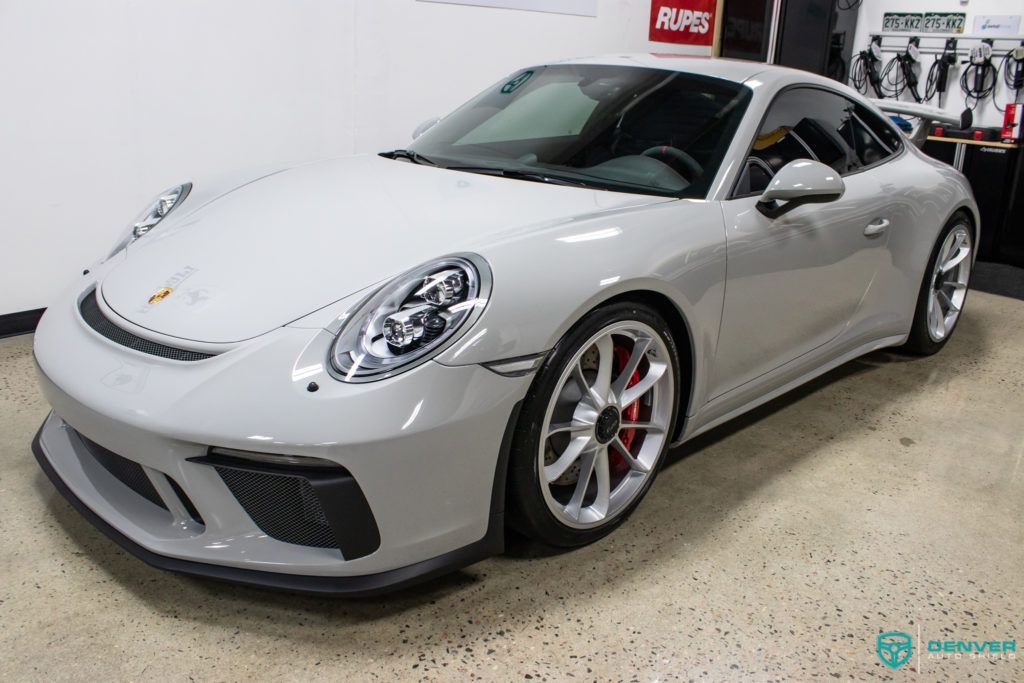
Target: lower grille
(128,472)
(283,506)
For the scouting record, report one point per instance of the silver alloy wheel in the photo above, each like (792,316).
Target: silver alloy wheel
(950,275)
(605,424)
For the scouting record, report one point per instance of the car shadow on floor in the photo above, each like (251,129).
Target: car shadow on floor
(509,583)
(518,546)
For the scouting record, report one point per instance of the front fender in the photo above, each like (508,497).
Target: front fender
(545,281)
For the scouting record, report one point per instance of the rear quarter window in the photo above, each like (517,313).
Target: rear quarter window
(871,129)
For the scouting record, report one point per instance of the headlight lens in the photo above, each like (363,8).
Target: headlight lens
(411,319)
(156,211)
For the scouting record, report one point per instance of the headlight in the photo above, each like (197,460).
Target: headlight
(154,213)
(411,319)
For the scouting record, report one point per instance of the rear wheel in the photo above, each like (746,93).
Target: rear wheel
(594,427)
(944,289)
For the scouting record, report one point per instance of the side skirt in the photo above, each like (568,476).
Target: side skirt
(718,411)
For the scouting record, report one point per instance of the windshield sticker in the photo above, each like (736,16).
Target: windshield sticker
(514,84)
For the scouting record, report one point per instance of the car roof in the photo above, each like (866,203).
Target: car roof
(737,70)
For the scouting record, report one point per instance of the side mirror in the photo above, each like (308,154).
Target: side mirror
(424,127)
(800,182)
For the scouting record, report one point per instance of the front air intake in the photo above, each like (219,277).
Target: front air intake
(283,506)
(301,500)
(128,472)
(133,475)
(94,318)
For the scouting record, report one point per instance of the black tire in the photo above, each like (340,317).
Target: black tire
(528,513)
(920,341)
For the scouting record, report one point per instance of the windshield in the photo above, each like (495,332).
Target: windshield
(618,128)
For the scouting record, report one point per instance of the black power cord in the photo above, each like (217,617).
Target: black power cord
(908,59)
(938,73)
(1012,68)
(979,79)
(899,76)
(892,81)
(864,68)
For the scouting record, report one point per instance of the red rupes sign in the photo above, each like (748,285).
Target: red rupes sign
(690,22)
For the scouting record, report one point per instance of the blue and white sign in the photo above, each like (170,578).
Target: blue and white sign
(997,24)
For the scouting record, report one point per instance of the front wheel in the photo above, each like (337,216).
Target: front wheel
(944,289)
(594,426)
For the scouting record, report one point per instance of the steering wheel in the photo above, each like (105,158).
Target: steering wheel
(677,159)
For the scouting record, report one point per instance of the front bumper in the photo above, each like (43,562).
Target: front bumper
(425,448)
(351,586)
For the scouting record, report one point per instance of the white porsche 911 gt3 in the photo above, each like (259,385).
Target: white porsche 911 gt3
(354,374)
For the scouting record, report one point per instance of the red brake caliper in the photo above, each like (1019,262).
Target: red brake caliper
(630,413)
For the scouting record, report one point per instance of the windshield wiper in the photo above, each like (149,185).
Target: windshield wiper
(408,154)
(519,174)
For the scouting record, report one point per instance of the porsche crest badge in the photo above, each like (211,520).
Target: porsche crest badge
(160,295)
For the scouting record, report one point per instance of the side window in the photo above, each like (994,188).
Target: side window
(802,123)
(874,140)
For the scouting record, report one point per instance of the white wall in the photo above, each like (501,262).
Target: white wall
(107,102)
(869,22)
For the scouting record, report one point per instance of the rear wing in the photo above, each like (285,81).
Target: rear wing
(927,115)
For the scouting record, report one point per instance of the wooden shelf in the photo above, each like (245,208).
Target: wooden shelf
(979,143)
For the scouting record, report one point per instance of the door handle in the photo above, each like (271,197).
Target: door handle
(876,228)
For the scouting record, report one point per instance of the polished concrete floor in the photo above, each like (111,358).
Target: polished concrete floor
(887,496)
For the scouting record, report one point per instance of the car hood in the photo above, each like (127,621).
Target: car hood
(287,244)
